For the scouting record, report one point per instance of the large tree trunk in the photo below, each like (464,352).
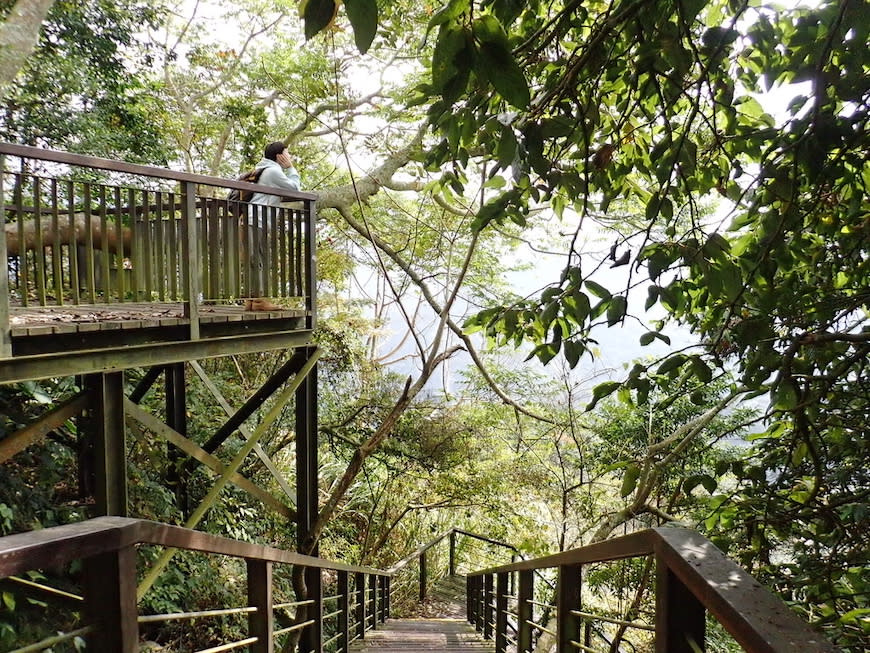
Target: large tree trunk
(18,36)
(67,234)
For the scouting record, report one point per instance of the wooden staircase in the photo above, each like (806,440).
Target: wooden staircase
(439,625)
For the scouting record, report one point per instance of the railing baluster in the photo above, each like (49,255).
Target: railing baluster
(71,248)
(160,248)
(261,622)
(105,251)
(38,244)
(567,599)
(190,260)
(5,342)
(56,251)
(22,273)
(121,282)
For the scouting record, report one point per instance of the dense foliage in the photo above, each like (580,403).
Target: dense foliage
(642,124)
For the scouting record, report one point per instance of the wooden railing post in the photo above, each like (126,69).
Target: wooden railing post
(261,622)
(389,581)
(312,636)
(190,260)
(422,559)
(469,598)
(373,594)
(524,611)
(343,582)
(501,606)
(360,589)
(567,599)
(385,599)
(680,617)
(487,606)
(109,581)
(451,562)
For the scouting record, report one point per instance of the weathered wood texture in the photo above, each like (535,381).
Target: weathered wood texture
(407,635)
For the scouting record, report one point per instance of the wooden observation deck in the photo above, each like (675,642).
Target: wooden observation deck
(109,265)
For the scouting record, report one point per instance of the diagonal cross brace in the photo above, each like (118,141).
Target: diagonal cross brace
(261,453)
(232,467)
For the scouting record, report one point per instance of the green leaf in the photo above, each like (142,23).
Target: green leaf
(317,15)
(616,310)
(363,15)
(451,41)
(701,370)
(647,338)
(671,363)
(598,290)
(784,396)
(573,350)
(629,480)
(602,390)
(453,10)
(496,64)
(9,601)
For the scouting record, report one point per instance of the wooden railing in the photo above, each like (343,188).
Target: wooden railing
(692,579)
(413,574)
(341,604)
(83,230)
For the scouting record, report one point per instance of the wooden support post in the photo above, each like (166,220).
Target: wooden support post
(567,599)
(306,492)
(343,582)
(260,623)
(106,433)
(487,606)
(524,611)
(306,458)
(385,599)
(469,599)
(422,559)
(478,604)
(501,592)
(680,617)
(451,561)
(109,581)
(373,598)
(190,258)
(5,331)
(176,419)
(388,585)
(360,589)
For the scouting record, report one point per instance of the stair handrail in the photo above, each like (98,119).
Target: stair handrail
(106,547)
(408,559)
(693,577)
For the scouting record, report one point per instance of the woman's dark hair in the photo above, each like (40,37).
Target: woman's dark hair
(274,149)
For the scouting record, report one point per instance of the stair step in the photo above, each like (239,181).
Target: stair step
(409,635)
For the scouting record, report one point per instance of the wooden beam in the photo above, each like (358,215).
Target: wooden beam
(105,430)
(32,433)
(213,494)
(245,431)
(44,366)
(193,450)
